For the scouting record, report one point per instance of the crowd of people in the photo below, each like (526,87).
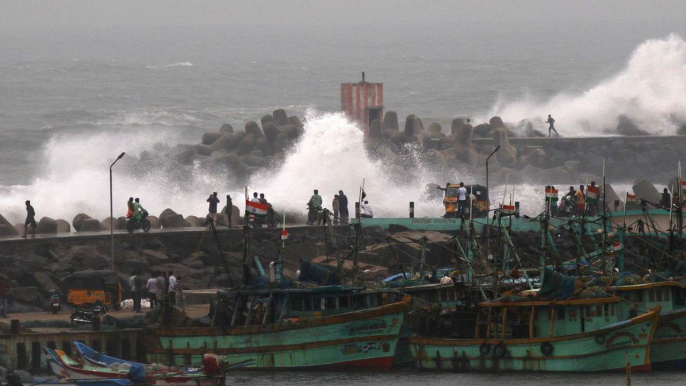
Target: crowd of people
(160,288)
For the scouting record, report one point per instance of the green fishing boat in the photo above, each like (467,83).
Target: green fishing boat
(331,327)
(573,335)
(668,351)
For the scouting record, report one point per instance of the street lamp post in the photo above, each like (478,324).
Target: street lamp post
(489,157)
(112,211)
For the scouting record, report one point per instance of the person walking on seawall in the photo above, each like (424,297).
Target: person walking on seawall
(335,205)
(30,220)
(229,208)
(666,200)
(343,207)
(461,200)
(151,285)
(551,127)
(4,293)
(580,201)
(367,211)
(171,293)
(213,200)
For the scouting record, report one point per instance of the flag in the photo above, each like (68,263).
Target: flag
(617,246)
(363,195)
(550,195)
(631,199)
(592,193)
(256,209)
(507,209)
(683,187)
(284,235)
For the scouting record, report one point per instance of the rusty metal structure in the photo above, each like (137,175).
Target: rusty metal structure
(362,102)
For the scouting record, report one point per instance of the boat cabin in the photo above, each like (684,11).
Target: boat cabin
(669,295)
(542,319)
(293,304)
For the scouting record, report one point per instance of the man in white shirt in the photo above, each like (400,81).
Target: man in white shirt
(151,285)
(461,200)
(254,198)
(171,292)
(367,211)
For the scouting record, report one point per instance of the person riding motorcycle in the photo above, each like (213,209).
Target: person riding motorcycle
(130,208)
(139,210)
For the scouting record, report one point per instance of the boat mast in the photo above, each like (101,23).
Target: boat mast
(604,224)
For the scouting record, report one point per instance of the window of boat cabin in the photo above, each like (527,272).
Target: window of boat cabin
(358,302)
(297,304)
(373,300)
(560,313)
(343,302)
(330,302)
(651,295)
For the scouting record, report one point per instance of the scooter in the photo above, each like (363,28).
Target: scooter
(132,225)
(55,306)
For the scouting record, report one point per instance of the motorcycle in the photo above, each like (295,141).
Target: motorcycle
(55,306)
(272,219)
(132,224)
(313,213)
(89,315)
(567,207)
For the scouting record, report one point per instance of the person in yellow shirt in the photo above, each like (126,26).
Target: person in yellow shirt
(580,200)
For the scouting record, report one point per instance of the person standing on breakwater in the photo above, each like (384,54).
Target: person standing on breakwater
(551,126)
(666,200)
(30,220)
(335,205)
(229,208)
(317,202)
(171,293)
(254,198)
(161,284)
(367,211)
(178,290)
(213,200)
(461,200)
(138,292)
(343,206)
(4,292)
(580,201)
(151,286)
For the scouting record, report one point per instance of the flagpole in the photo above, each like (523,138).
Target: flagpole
(604,224)
(626,201)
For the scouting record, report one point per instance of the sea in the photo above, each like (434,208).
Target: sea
(73,99)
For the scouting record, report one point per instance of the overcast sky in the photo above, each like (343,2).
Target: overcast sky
(35,14)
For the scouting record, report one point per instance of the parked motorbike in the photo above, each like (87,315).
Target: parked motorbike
(90,315)
(132,224)
(55,305)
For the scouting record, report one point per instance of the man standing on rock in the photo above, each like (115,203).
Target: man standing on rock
(213,200)
(161,284)
(551,128)
(30,220)
(151,285)
(229,208)
(170,293)
(335,205)
(461,200)
(343,206)
(137,292)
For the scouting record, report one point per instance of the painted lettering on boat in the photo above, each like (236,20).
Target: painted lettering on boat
(367,326)
(352,348)
(434,221)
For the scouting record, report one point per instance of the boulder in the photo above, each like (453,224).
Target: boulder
(78,219)
(182,154)
(227,141)
(155,222)
(482,129)
(496,123)
(295,121)
(236,218)
(645,190)
(166,213)
(611,196)
(253,129)
(252,160)
(246,146)
(205,150)
(375,129)
(537,157)
(464,135)
(45,283)
(7,229)
(46,225)
(264,146)
(291,131)
(89,225)
(266,118)
(63,226)
(280,117)
(409,125)
(19,228)
(681,130)
(507,155)
(119,223)
(456,126)
(626,126)
(154,257)
(500,137)
(174,221)
(435,128)
(390,121)
(280,143)
(226,129)
(270,131)
(26,294)
(210,138)
(195,221)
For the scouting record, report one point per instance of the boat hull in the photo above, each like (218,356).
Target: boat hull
(357,340)
(606,349)
(668,350)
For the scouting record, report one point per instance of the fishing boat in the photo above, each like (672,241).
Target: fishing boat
(66,368)
(333,326)
(668,351)
(574,335)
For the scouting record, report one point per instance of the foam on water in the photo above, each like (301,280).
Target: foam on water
(649,90)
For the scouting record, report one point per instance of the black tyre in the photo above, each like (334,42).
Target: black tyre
(600,339)
(146,225)
(499,350)
(485,349)
(131,226)
(547,348)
